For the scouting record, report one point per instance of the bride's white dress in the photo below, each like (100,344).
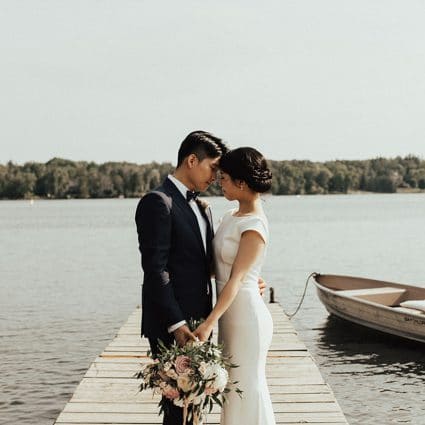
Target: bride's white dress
(246,328)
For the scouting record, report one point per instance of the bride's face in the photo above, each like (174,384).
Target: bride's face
(228,186)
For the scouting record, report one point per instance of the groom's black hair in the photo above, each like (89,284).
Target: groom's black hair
(202,144)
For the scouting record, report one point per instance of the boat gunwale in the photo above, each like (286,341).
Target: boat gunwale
(372,304)
(366,279)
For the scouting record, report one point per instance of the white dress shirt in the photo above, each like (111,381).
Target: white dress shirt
(202,227)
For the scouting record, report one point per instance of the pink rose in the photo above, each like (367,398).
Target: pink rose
(170,392)
(182,363)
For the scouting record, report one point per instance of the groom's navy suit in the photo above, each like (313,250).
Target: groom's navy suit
(177,268)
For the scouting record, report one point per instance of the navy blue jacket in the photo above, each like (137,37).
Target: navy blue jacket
(177,270)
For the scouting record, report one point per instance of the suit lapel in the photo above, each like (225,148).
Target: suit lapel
(186,209)
(206,214)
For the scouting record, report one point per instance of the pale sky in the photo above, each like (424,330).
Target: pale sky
(128,79)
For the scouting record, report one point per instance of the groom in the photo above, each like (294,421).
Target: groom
(175,233)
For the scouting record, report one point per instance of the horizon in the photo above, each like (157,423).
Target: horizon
(421,158)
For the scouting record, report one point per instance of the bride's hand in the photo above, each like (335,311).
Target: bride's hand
(262,285)
(203,331)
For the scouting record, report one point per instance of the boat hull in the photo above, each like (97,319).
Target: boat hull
(371,315)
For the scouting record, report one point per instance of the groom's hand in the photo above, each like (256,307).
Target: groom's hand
(183,335)
(261,285)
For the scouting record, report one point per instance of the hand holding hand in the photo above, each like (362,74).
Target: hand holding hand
(203,331)
(261,286)
(183,335)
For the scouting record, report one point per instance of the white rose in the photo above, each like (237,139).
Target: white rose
(221,379)
(209,371)
(167,366)
(202,368)
(171,373)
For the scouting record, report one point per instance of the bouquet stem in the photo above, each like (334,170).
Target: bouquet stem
(185,412)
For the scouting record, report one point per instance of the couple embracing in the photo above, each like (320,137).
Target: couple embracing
(181,253)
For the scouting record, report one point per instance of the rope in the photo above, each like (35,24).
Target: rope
(290,316)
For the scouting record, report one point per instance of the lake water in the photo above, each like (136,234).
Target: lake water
(70,277)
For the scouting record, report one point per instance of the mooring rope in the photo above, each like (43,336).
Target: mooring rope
(290,316)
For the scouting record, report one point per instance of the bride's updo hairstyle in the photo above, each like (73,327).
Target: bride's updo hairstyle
(249,165)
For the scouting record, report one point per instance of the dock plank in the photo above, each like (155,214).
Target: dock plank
(109,394)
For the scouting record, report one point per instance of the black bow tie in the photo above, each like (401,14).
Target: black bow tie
(190,194)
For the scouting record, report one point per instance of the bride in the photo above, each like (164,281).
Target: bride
(245,324)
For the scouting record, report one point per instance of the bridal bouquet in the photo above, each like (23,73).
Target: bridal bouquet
(193,377)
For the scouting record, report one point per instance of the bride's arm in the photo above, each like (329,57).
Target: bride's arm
(251,246)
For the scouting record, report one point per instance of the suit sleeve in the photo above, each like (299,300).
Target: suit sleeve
(153,220)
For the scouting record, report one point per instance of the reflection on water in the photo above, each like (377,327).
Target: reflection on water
(372,365)
(362,345)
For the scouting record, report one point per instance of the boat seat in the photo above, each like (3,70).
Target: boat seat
(385,295)
(408,310)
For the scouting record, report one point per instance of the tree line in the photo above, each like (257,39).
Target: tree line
(62,178)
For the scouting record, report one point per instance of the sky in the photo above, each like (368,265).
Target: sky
(126,80)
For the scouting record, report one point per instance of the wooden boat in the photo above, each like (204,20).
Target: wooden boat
(373,303)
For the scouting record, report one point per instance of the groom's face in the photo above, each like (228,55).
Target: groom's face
(204,173)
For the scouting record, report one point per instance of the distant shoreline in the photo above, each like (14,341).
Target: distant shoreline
(350,193)
(64,179)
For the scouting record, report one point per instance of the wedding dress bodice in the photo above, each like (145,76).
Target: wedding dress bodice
(226,244)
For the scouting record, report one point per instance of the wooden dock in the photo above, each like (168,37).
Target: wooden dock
(109,394)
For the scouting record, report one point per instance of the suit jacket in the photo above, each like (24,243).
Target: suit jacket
(177,270)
